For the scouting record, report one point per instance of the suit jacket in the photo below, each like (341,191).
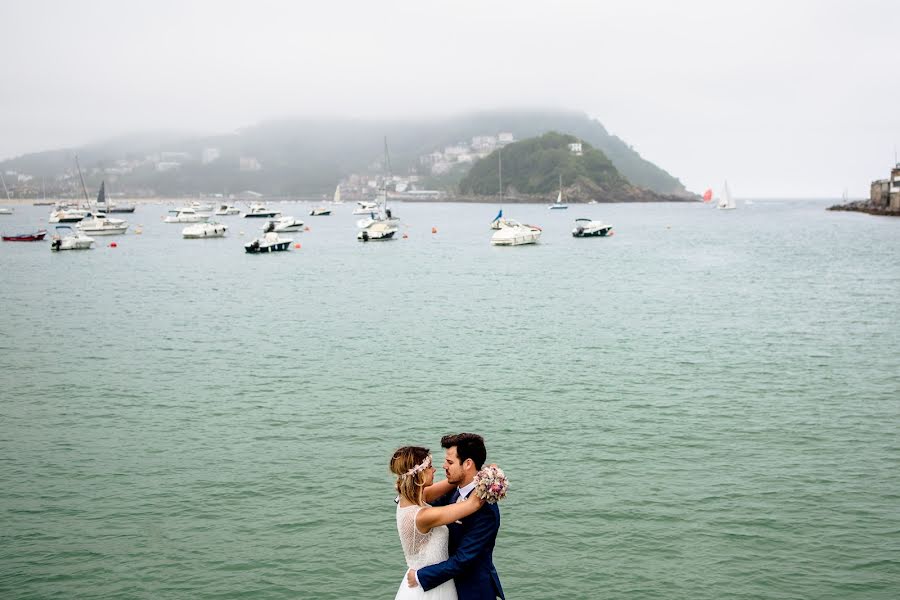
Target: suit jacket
(471,563)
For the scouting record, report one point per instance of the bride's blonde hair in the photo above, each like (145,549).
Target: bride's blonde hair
(409,464)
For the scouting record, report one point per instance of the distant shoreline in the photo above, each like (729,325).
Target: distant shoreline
(861,208)
(446,200)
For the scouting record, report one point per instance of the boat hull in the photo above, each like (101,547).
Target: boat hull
(120,230)
(603,232)
(252,248)
(26,237)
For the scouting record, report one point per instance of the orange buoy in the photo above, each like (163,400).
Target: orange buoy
(434,230)
(297,245)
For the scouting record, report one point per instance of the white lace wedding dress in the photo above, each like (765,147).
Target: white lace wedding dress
(421,550)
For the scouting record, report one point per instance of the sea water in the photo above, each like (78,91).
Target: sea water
(705,405)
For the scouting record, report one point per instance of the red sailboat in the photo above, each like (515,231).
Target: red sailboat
(707,195)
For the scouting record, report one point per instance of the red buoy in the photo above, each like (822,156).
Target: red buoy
(113,245)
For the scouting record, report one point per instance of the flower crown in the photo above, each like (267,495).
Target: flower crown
(419,467)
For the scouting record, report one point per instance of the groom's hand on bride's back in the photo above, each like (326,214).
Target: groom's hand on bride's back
(411,578)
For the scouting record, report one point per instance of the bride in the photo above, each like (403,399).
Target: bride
(423,528)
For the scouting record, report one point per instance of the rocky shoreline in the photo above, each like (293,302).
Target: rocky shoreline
(864,206)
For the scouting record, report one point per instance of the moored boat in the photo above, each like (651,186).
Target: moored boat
(513,233)
(284,224)
(269,242)
(67,238)
(588,228)
(320,212)
(260,211)
(100,224)
(186,215)
(204,230)
(35,236)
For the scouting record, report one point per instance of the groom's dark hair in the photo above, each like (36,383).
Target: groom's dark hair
(468,445)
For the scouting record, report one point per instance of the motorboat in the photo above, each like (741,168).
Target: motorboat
(5,210)
(202,208)
(269,242)
(67,238)
(225,210)
(120,208)
(589,228)
(283,224)
(364,207)
(100,224)
(513,233)
(320,212)
(35,236)
(204,230)
(378,230)
(67,215)
(186,215)
(260,211)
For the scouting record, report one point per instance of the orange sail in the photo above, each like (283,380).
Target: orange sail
(707,195)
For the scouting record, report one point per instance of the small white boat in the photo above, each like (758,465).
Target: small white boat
(100,224)
(260,211)
(269,242)
(67,238)
(513,233)
(284,224)
(5,211)
(204,230)
(320,212)
(186,215)
(589,228)
(67,215)
(364,207)
(225,210)
(202,208)
(378,230)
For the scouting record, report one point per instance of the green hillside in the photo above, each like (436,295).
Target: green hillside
(534,166)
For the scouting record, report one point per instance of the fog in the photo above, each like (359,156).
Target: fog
(782,99)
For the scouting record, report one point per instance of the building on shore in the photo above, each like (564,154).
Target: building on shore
(885,193)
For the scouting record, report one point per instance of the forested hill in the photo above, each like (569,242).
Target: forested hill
(536,168)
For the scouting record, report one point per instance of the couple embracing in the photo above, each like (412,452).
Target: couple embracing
(447,529)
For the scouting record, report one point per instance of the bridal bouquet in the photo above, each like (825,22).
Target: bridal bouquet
(491,484)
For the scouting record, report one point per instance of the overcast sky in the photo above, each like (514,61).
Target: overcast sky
(783,98)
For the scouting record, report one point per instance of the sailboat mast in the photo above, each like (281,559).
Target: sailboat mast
(5,189)
(500,158)
(83,187)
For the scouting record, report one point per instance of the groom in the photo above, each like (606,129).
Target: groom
(471,540)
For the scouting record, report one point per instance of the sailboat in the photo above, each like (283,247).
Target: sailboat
(559,203)
(382,225)
(707,195)
(337,195)
(99,223)
(726,202)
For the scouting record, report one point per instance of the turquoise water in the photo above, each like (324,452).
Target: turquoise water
(703,406)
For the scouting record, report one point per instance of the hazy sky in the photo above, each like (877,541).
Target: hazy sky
(783,98)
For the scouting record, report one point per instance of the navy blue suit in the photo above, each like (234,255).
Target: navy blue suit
(471,563)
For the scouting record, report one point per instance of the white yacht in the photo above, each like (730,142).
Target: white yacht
(67,215)
(364,207)
(320,211)
(204,230)
(202,208)
(226,210)
(260,211)
(283,224)
(186,215)
(378,231)
(101,224)
(513,233)
(589,228)
(67,238)
(269,242)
